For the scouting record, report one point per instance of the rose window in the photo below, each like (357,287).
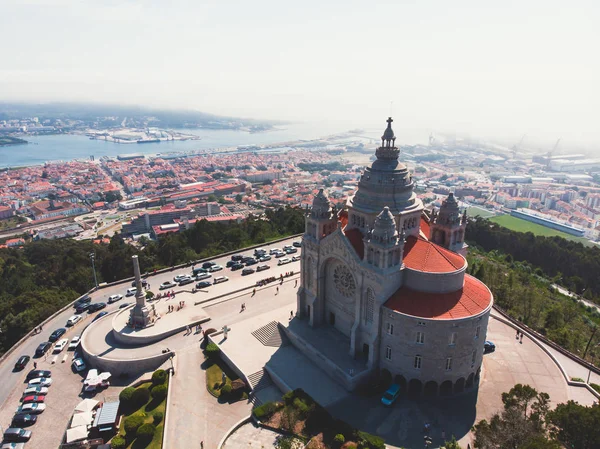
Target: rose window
(344,281)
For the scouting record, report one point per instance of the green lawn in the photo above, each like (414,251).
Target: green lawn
(214,373)
(479,212)
(148,409)
(520,225)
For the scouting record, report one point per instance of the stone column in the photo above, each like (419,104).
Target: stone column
(140,315)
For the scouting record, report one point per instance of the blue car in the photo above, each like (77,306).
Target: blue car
(488,347)
(100,315)
(391,394)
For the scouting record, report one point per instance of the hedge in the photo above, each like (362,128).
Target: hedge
(132,424)
(158,417)
(146,432)
(368,441)
(159,377)
(126,394)
(118,442)
(140,396)
(159,392)
(212,350)
(266,410)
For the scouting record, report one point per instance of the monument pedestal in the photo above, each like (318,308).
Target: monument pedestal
(139,315)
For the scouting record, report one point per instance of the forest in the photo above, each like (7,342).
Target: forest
(43,276)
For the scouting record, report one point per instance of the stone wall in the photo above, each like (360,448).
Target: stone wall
(434,282)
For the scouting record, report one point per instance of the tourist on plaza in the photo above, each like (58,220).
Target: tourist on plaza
(291,314)
(277,292)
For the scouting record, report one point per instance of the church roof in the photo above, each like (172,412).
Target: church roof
(355,238)
(425,226)
(471,300)
(423,255)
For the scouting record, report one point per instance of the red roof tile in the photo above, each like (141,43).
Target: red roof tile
(471,300)
(425,226)
(423,255)
(355,238)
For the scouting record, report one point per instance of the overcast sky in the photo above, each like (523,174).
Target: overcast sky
(485,68)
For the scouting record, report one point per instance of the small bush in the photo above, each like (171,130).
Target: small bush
(301,406)
(368,441)
(149,294)
(209,331)
(349,445)
(159,377)
(226,390)
(118,442)
(577,379)
(288,398)
(146,432)
(265,410)
(157,417)
(237,388)
(595,387)
(339,440)
(140,396)
(159,392)
(132,424)
(212,350)
(125,395)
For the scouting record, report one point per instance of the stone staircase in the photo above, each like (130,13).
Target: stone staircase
(260,380)
(271,335)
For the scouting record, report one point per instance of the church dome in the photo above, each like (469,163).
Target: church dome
(384,227)
(321,206)
(388,134)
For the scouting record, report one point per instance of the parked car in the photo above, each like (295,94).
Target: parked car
(78,364)
(33,398)
(23,420)
(259,252)
(220,279)
(181,277)
(23,360)
(237,257)
(279,254)
(247,271)
(13,445)
(229,263)
(82,307)
(38,373)
(295,258)
(74,343)
(74,320)
(203,276)
(237,266)
(35,390)
(186,281)
(96,306)
(197,270)
(391,394)
(115,298)
(291,250)
(62,344)
(488,347)
(42,348)
(284,260)
(251,261)
(31,408)
(265,258)
(297,243)
(16,435)
(54,336)
(246,259)
(168,284)
(125,304)
(100,315)
(40,382)
(83,300)
(144,283)
(274,251)
(262,267)
(203,284)
(130,291)
(208,264)
(215,268)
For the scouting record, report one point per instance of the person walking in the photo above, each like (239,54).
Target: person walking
(187,329)
(34,365)
(443,435)
(277,291)
(296,283)
(521,338)
(291,314)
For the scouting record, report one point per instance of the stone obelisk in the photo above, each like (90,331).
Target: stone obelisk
(140,315)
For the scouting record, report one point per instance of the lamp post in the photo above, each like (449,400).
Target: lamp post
(93,258)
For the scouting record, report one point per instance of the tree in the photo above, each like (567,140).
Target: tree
(239,198)
(575,425)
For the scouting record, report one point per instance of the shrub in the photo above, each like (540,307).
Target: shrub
(595,387)
(159,377)
(146,432)
(209,331)
(349,445)
(226,390)
(118,442)
(265,410)
(288,398)
(368,441)
(301,406)
(125,395)
(212,350)
(149,294)
(237,388)
(577,379)
(140,396)
(159,392)
(339,440)
(132,424)
(157,417)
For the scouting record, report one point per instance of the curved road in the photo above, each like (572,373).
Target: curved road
(11,379)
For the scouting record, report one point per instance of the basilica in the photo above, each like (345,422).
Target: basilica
(390,278)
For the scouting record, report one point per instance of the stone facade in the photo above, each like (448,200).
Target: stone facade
(404,303)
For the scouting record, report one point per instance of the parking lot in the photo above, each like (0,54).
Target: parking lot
(65,392)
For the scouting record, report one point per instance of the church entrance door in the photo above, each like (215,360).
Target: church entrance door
(366,351)
(332,318)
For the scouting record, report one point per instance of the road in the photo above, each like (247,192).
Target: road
(12,379)
(566,292)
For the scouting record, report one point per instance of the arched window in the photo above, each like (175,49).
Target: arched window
(369,306)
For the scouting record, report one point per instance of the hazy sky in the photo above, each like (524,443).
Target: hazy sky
(487,68)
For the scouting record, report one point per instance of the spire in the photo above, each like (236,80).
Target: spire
(388,149)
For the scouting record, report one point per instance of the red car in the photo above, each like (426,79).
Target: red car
(33,398)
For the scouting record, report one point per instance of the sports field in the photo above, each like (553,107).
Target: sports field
(475,211)
(520,225)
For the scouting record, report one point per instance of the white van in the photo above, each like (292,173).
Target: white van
(220,279)
(131,291)
(284,260)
